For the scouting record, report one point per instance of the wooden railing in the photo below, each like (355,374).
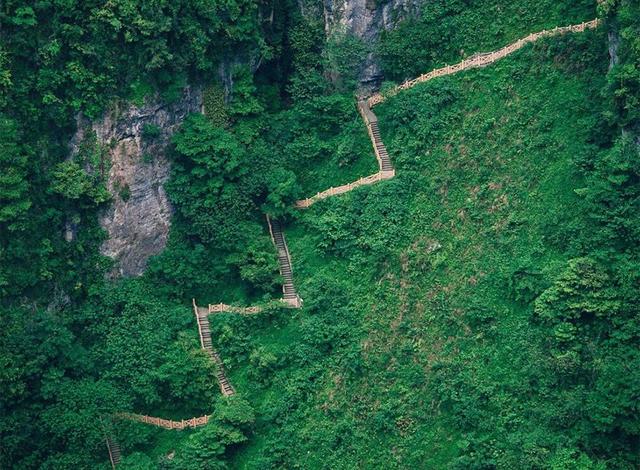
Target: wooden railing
(289,293)
(114,451)
(220,308)
(370,120)
(482,59)
(195,310)
(166,423)
(204,331)
(381,175)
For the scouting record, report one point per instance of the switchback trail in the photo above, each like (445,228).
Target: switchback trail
(386,171)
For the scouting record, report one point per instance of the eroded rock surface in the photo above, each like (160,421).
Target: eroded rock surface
(136,139)
(366,19)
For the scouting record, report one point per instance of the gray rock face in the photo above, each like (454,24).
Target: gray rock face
(614,44)
(366,19)
(138,219)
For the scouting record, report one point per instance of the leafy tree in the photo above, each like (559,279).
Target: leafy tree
(243,101)
(342,58)
(257,264)
(209,164)
(582,293)
(206,448)
(72,182)
(14,187)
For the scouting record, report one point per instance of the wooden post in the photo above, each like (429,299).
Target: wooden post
(195,310)
(113,464)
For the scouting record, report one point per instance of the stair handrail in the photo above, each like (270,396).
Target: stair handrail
(195,310)
(378,97)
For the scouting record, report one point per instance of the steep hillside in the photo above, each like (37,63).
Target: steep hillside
(419,345)
(462,294)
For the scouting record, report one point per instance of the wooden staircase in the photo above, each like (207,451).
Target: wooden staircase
(483,59)
(381,150)
(371,121)
(290,295)
(114,451)
(202,317)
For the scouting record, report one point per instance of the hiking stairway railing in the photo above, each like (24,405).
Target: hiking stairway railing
(385,167)
(386,171)
(204,331)
(482,59)
(225,308)
(166,423)
(114,451)
(289,293)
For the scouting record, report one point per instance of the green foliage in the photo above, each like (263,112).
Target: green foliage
(257,264)
(447,31)
(217,198)
(139,90)
(108,47)
(306,39)
(205,186)
(5,77)
(73,182)
(151,131)
(14,199)
(477,311)
(206,448)
(243,101)
(342,56)
(624,78)
(214,106)
(125,193)
(323,142)
(581,293)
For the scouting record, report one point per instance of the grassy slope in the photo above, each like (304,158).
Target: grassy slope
(412,350)
(451,30)
(324,142)
(357,159)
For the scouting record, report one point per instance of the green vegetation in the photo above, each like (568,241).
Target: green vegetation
(438,353)
(214,107)
(151,131)
(477,311)
(449,30)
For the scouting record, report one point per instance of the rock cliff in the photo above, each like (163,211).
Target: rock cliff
(138,220)
(366,19)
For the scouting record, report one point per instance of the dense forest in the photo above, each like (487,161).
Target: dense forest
(480,310)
